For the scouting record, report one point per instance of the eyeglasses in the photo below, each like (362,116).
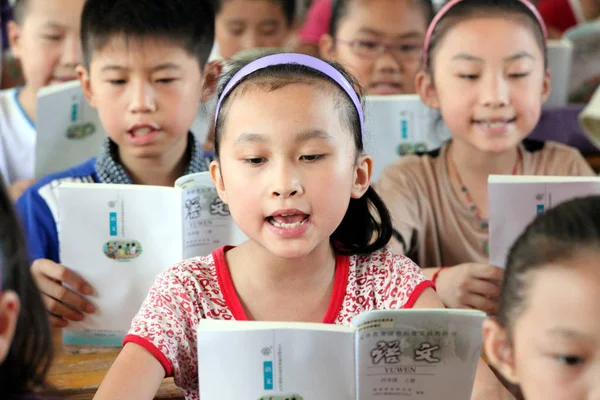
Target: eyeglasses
(371,49)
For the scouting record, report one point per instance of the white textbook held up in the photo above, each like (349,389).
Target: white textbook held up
(400,125)
(515,201)
(120,237)
(69,131)
(394,354)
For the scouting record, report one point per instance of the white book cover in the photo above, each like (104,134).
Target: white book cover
(515,201)
(68,129)
(397,354)
(560,59)
(120,237)
(399,125)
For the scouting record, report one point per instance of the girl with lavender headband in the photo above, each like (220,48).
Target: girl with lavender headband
(291,168)
(485,69)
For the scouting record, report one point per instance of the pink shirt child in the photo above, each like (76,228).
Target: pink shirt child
(202,288)
(316,23)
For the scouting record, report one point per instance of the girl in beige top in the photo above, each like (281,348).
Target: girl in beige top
(485,70)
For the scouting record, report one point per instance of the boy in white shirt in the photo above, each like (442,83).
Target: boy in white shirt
(44,37)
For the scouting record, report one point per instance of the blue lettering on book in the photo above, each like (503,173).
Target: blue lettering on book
(74,112)
(404,128)
(540,209)
(268,375)
(113,224)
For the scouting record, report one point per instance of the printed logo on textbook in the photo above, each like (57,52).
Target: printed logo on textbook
(268,375)
(81,131)
(113,223)
(404,129)
(122,250)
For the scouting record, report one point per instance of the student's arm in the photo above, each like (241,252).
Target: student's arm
(469,285)
(486,385)
(135,375)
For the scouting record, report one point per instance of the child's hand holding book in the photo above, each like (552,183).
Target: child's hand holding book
(55,282)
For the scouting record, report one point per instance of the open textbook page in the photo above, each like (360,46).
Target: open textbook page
(417,354)
(398,354)
(515,201)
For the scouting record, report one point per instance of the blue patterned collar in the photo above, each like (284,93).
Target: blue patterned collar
(110,170)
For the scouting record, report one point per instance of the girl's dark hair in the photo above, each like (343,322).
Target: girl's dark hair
(555,236)
(341,8)
(469,9)
(30,354)
(367,225)
(288,7)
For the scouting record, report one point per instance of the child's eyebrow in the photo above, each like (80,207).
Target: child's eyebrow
(566,333)
(406,35)
(470,57)
(309,134)
(251,138)
(302,136)
(53,25)
(160,67)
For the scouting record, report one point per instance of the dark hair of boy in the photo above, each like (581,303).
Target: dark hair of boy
(187,23)
(30,354)
(288,7)
(340,9)
(557,235)
(367,225)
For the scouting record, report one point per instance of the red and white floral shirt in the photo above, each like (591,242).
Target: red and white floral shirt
(202,288)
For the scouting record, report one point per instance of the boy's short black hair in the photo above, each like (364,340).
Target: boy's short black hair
(288,7)
(189,23)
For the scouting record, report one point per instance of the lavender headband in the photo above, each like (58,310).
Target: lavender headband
(299,59)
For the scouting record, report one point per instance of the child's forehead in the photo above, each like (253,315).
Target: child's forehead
(121,49)
(490,34)
(53,13)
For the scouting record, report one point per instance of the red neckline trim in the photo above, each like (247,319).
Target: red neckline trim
(235,305)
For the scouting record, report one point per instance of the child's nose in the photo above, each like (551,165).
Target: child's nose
(142,98)
(494,91)
(286,183)
(72,52)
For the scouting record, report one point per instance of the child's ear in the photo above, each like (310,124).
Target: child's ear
(426,89)
(210,81)
(327,47)
(217,177)
(547,86)
(498,349)
(362,176)
(9,314)
(14,38)
(86,86)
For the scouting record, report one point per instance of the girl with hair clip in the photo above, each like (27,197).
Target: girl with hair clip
(379,41)
(546,334)
(290,165)
(485,69)
(25,336)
